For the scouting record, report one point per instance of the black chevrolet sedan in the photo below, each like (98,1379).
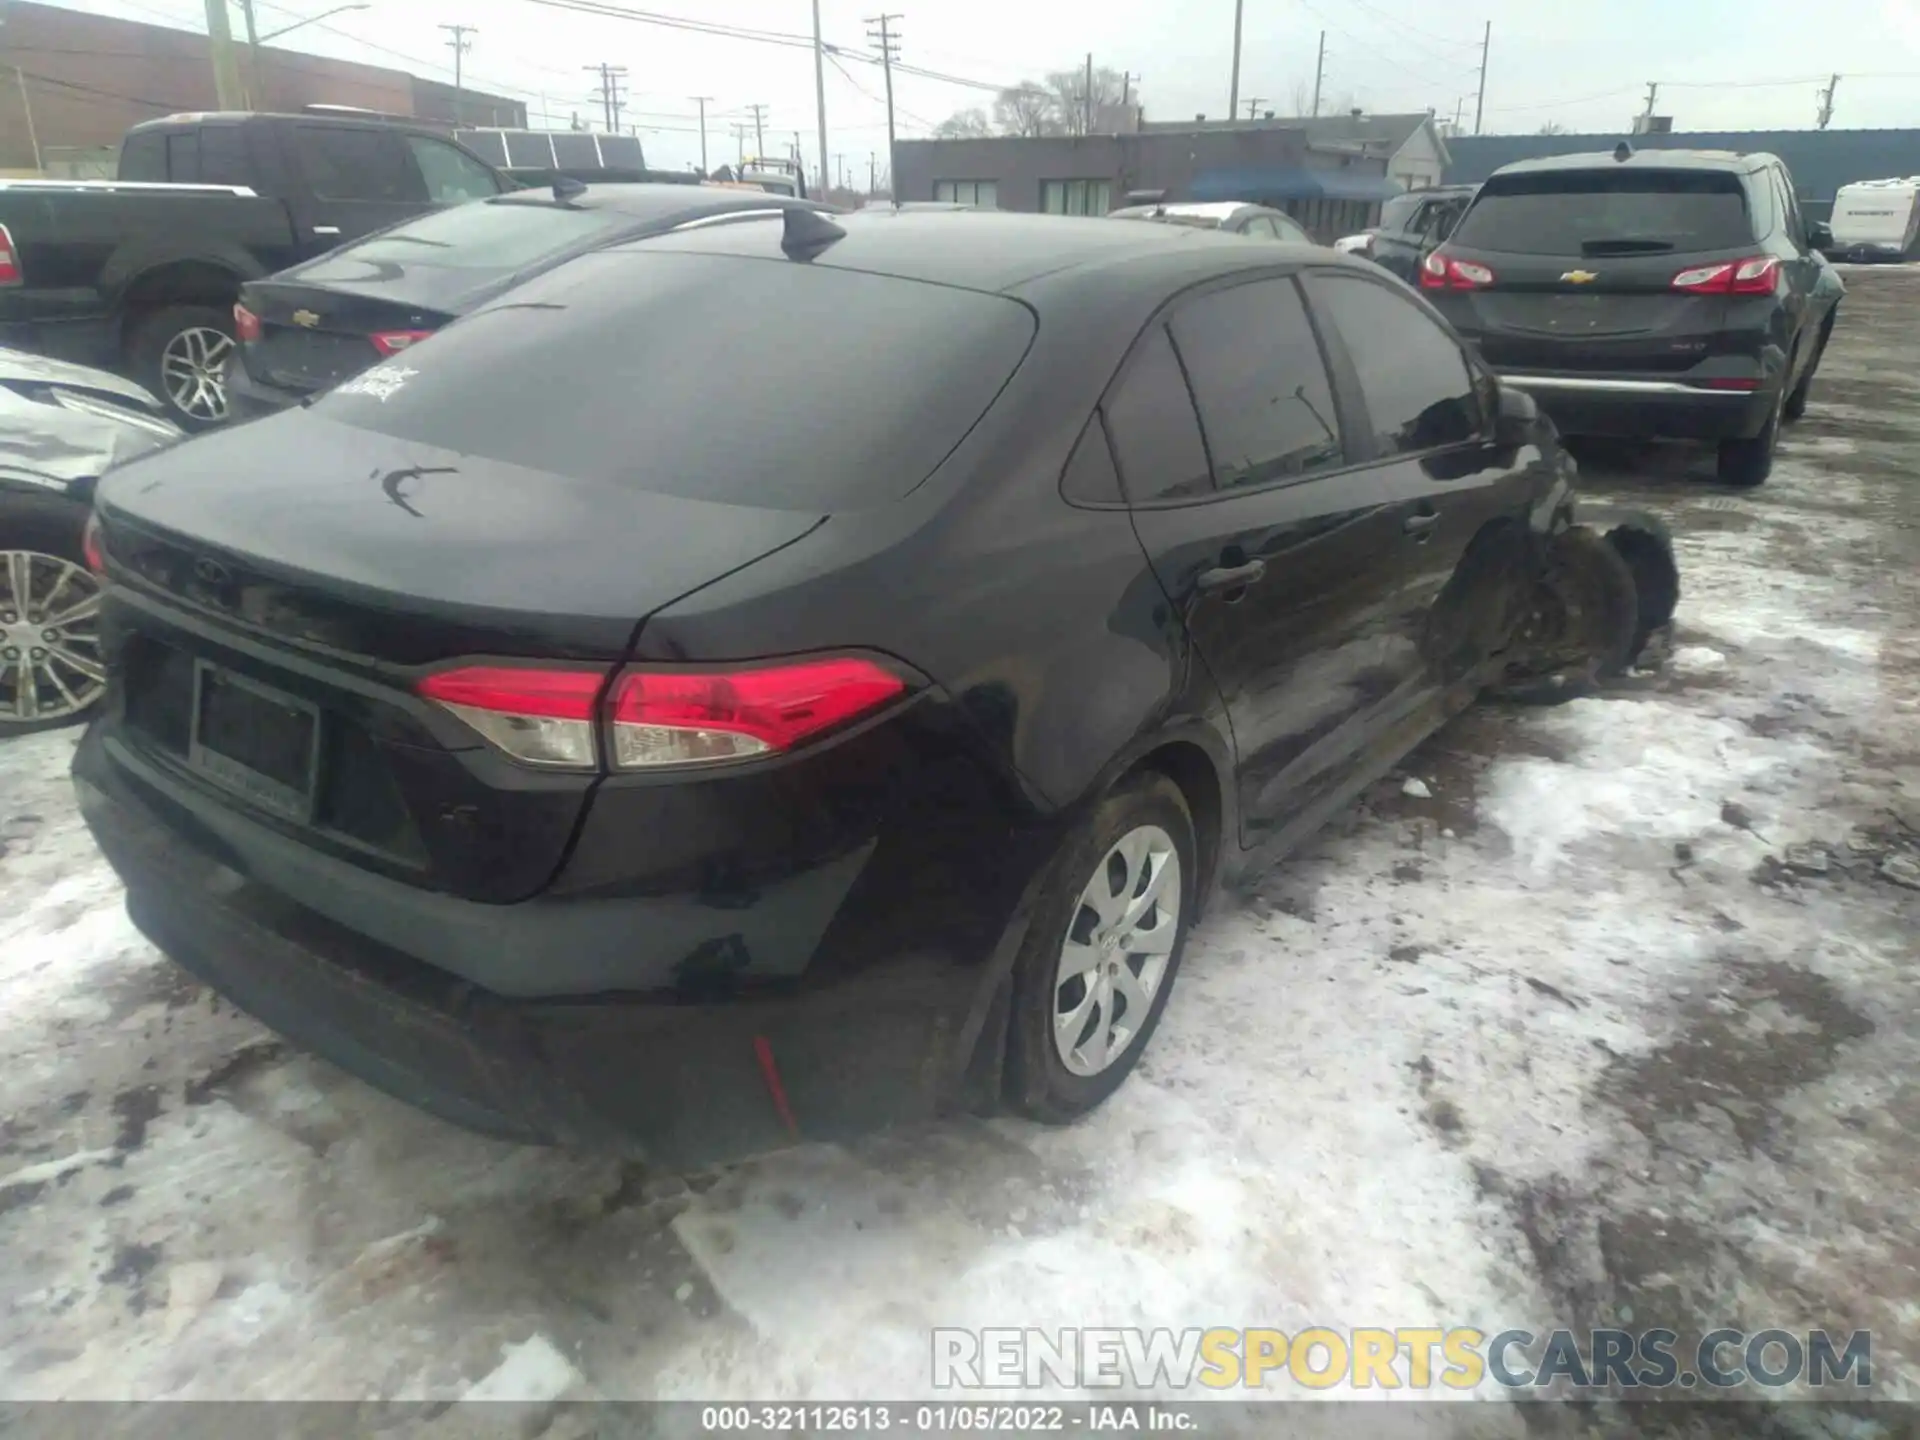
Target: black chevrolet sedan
(546,737)
(319,323)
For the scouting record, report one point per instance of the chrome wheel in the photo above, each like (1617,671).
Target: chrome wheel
(193,369)
(1119,942)
(50,666)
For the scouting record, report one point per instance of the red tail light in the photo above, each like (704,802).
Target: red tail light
(662,718)
(1440,271)
(392,342)
(92,550)
(668,717)
(541,717)
(1758,275)
(246,324)
(9,260)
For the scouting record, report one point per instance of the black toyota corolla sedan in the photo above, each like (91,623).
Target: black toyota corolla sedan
(799,674)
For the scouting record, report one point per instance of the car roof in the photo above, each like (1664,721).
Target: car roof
(1724,161)
(648,201)
(1000,251)
(1221,210)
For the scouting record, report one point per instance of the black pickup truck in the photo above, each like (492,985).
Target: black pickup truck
(140,273)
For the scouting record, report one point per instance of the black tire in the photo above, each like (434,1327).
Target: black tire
(1796,405)
(1588,607)
(45,524)
(1747,463)
(1647,546)
(147,345)
(1039,1084)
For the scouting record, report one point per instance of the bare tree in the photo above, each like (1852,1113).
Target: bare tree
(1069,89)
(1026,109)
(1302,98)
(964,125)
(1553,127)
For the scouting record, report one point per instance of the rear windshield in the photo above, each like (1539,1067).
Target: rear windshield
(1587,212)
(750,382)
(1397,211)
(485,235)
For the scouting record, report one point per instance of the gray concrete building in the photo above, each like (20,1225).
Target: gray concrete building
(1331,187)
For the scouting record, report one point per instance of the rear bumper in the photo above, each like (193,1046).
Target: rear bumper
(1645,407)
(249,399)
(681,1078)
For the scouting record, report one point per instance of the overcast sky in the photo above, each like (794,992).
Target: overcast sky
(1721,64)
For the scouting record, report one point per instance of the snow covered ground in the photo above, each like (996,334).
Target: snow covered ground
(1618,1022)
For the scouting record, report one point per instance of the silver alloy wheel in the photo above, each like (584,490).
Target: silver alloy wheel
(1118,943)
(50,665)
(193,368)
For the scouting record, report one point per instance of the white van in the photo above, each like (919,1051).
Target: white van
(1876,219)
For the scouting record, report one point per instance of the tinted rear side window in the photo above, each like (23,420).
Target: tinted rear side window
(351,164)
(143,159)
(1587,212)
(481,236)
(1161,454)
(223,156)
(745,382)
(1395,214)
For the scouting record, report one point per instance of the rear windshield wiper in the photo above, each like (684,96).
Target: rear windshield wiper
(1626,245)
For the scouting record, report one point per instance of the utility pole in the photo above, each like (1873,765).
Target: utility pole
(1254,102)
(759,130)
(1087,124)
(820,90)
(1480,105)
(1458,105)
(1319,71)
(1653,94)
(610,102)
(840,171)
(740,140)
(459,43)
(26,104)
(1233,92)
(1826,101)
(873,174)
(256,92)
(701,101)
(226,71)
(889,44)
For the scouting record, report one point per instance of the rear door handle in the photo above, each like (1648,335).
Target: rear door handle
(1231,577)
(1421,526)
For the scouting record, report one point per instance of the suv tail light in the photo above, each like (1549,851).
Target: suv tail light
(662,718)
(392,342)
(1758,275)
(246,324)
(1440,271)
(9,260)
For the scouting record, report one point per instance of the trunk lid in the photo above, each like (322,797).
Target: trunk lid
(1584,260)
(283,593)
(315,336)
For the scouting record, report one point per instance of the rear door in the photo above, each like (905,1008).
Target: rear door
(1275,552)
(1396,245)
(1583,263)
(355,179)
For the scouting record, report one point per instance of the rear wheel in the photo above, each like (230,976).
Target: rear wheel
(1748,462)
(180,353)
(50,667)
(1796,405)
(1102,950)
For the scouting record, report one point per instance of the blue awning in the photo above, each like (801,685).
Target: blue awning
(1291,182)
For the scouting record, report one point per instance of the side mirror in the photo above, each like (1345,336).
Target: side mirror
(1820,235)
(1515,417)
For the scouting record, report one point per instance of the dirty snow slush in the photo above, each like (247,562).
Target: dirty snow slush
(1611,1018)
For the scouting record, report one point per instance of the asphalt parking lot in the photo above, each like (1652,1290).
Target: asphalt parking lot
(1605,1013)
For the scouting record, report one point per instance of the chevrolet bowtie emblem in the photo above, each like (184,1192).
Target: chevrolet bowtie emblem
(306,319)
(1572,277)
